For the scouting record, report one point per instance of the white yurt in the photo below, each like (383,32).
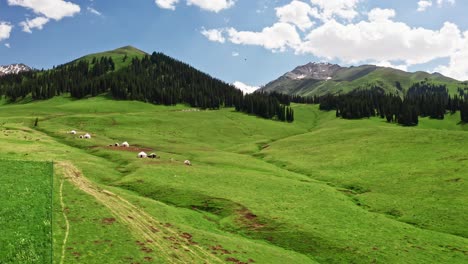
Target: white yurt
(125,144)
(188,163)
(87,136)
(142,155)
(73,132)
(116,145)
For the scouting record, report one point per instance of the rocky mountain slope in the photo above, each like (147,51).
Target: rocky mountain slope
(14,69)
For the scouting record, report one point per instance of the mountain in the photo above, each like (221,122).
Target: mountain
(14,69)
(122,57)
(322,78)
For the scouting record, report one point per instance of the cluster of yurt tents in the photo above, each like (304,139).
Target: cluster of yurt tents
(141,155)
(85,136)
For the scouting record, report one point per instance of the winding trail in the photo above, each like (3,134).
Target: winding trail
(160,240)
(67,223)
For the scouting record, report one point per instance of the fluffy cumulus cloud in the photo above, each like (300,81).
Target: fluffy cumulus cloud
(47,10)
(297,13)
(276,38)
(167,4)
(458,65)
(246,89)
(381,40)
(52,9)
(36,23)
(212,5)
(215,35)
(5,30)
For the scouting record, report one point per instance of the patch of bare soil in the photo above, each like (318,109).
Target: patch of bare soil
(249,219)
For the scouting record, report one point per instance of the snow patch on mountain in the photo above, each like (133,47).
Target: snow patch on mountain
(14,69)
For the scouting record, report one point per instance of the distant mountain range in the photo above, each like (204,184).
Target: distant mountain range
(14,69)
(322,78)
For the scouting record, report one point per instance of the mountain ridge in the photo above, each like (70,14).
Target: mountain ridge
(321,78)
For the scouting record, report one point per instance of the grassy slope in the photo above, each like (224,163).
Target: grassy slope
(25,212)
(271,192)
(117,56)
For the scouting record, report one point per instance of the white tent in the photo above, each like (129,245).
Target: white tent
(125,144)
(87,136)
(142,155)
(116,145)
(188,163)
(73,132)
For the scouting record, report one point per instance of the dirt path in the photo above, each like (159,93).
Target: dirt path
(159,239)
(67,223)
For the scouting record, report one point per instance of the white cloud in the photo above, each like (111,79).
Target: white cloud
(52,9)
(296,13)
(458,65)
(212,5)
(382,40)
(423,5)
(93,11)
(442,2)
(391,65)
(276,38)
(166,4)
(215,35)
(5,30)
(37,22)
(378,14)
(246,89)
(7,45)
(329,9)
(235,54)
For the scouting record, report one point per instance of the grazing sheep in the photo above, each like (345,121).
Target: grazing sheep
(153,156)
(142,155)
(73,132)
(87,136)
(188,163)
(116,145)
(125,144)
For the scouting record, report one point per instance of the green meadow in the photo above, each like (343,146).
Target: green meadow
(26,211)
(319,190)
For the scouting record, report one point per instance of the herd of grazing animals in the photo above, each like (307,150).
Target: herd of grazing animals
(125,144)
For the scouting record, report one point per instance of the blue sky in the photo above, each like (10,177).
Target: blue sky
(248,41)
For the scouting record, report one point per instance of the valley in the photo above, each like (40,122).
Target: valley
(312,191)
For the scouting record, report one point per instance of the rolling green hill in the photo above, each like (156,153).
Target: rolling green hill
(122,57)
(319,190)
(320,79)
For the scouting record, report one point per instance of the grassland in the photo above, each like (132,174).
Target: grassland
(25,212)
(320,190)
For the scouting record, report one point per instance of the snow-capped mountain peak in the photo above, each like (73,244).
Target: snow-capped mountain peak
(14,69)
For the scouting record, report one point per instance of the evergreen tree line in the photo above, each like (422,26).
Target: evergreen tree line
(422,99)
(156,79)
(270,106)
